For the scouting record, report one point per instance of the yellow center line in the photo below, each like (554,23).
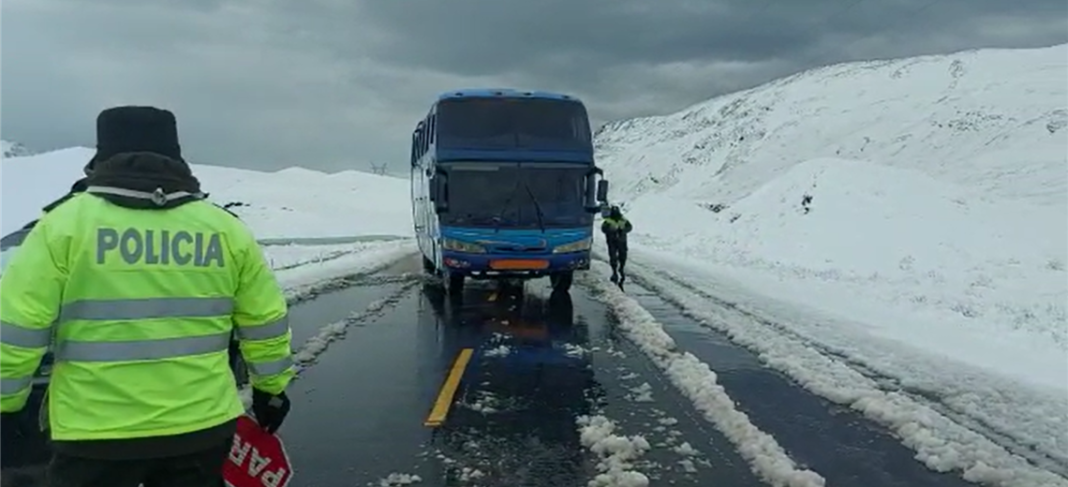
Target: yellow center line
(492,297)
(448,389)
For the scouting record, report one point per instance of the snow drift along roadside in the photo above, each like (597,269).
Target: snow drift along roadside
(917,283)
(294,202)
(941,443)
(302,282)
(923,262)
(289,256)
(697,382)
(616,453)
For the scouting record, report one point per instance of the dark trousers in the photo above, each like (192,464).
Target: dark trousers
(200,469)
(617,257)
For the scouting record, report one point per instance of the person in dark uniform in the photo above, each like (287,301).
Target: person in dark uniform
(615,228)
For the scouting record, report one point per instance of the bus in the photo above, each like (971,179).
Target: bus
(504,187)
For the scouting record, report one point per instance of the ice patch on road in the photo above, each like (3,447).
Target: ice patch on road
(573,350)
(941,444)
(668,421)
(468,474)
(686,449)
(642,393)
(398,479)
(695,380)
(616,453)
(482,402)
(498,351)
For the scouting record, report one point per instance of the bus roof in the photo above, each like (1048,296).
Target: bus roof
(505,93)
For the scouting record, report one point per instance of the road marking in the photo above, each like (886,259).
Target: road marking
(448,390)
(492,297)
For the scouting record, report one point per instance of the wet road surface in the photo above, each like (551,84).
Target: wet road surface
(835,441)
(536,365)
(372,405)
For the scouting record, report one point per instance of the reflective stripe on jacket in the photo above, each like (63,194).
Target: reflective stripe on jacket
(616,224)
(139,307)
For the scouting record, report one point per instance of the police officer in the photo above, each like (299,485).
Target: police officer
(137,284)
(615,228)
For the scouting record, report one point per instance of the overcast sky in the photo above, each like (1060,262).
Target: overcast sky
(338,84)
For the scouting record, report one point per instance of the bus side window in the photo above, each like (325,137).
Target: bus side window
(426,135)
(415,147)
(433,126)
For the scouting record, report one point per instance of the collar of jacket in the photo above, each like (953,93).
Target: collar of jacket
(144,180)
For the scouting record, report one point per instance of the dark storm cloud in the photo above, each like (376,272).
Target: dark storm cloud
(335,84)
(602,47)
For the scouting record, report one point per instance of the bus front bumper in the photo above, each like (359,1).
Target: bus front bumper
(491,266)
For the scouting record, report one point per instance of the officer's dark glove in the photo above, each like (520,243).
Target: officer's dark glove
(270,410)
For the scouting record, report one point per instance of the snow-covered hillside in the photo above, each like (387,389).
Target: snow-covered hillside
(14,149)
(294,202)
(907,217)
(992,120)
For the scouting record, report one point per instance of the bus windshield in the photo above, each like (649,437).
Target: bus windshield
(513,123)
(510,196)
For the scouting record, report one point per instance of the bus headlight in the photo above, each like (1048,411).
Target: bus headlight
(459,246)
(579,246)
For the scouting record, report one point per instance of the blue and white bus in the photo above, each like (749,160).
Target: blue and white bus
(504,186)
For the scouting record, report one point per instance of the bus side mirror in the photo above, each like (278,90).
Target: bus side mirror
(438,193)
(596,191)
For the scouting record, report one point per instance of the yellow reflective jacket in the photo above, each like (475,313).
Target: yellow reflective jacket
(138,307)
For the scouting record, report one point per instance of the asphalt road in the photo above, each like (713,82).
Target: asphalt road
(537,364)
(376,404)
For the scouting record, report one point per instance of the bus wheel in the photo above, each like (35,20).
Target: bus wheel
(561,283)
(428,266)
(454,284)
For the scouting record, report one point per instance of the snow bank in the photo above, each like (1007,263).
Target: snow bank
(284,257)
(931,407)
(697,382)
(294,202)
(367,257)
(616,453)
(904,223)
(925,262)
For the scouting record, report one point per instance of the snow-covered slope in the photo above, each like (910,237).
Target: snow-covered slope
(906,219)
(14,149)
(294,202)
(992,120)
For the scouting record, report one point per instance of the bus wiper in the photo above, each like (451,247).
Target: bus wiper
(511,196)
(537,207)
